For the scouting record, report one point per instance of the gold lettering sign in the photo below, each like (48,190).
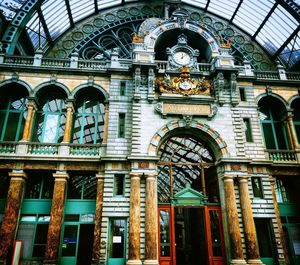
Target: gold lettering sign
(189,109)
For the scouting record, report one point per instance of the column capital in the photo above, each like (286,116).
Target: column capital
(243,178)
(32,102)
(21,175)
(70,104)
(228,178)
(134,175)
(100,176)
(61,176)
(151,175)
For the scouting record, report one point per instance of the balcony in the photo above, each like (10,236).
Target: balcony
(283,155)
(65,151)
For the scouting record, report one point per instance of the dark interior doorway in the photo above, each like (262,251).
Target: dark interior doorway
(190,236)
(85,247)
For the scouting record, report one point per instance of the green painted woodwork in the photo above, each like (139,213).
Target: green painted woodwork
(117,241)
(2,205)
(189,197)
(39,206)
(80,206)
(88,127)
(268,261)
(50,122)
(12,119)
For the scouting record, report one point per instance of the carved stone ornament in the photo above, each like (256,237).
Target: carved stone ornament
(184,85)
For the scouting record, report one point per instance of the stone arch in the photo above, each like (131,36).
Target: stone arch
(51,83)
(17,81)
(291,99)
(215,141)
(151,38)
(280,98)
(97,87)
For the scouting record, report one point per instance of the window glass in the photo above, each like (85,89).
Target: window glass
(4,184)
(121,132)
(257,187)
(122,88)
(164,233)
(39,247)
(117,238)
(82,187)
(119,185)
(248,131)
(215,233)
(69,241)
(89,122)
(264,237)
(12,118)
(268,136)
(39,186)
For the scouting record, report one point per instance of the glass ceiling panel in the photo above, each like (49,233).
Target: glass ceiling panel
(223,8)
(277,29)
(81,8)
(56,17)
(108,3)
(291,53)
(9,7)
(252,9)
(199,3)
(34,27)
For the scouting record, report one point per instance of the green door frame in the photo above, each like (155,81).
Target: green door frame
(116,261)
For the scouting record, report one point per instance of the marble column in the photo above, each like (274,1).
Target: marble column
(278,219)
(68,127)
(237,256)
(57,212)
(292,130)
(31,108)
(105,132)
(248,221)
(134,221)
(151,221)
(98,219)
(11,213)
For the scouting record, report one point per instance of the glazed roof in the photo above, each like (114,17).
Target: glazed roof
(274,24)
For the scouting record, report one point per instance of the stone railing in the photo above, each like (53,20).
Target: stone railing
(84,149)
(8,147)
(17,60)
(52,62)
(38,61)
(282,155)
(42,149)
(267,75)
(62,150)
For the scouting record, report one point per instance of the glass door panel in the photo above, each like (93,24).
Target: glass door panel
(117,242)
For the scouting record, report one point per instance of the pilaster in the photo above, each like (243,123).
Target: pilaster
(11,213)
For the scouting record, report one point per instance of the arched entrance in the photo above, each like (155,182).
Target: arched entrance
(189,213)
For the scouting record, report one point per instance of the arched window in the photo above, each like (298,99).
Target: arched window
(51,117)
(88,125)
(272,113)
(12,115)
(184,161)
(296,111)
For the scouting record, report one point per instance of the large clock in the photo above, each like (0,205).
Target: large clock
(182,57)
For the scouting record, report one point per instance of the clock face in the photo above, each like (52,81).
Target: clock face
(182,58)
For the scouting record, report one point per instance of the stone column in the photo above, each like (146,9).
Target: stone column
(98,219)
(233,222)
(68,128)
(248,221)
(292,130)
(105,133)
(57,212)
(31,108)
(278,219)
(151,221)
(11,213)
(134,221)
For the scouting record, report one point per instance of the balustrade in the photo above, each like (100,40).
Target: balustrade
(85,150)
(283,155)
(42,149)
(8,147)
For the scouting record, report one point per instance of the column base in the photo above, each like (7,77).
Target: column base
(151,262)
(254,262)
(238,262)
(134,262)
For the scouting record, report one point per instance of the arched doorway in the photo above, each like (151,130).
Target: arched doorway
(189,213)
